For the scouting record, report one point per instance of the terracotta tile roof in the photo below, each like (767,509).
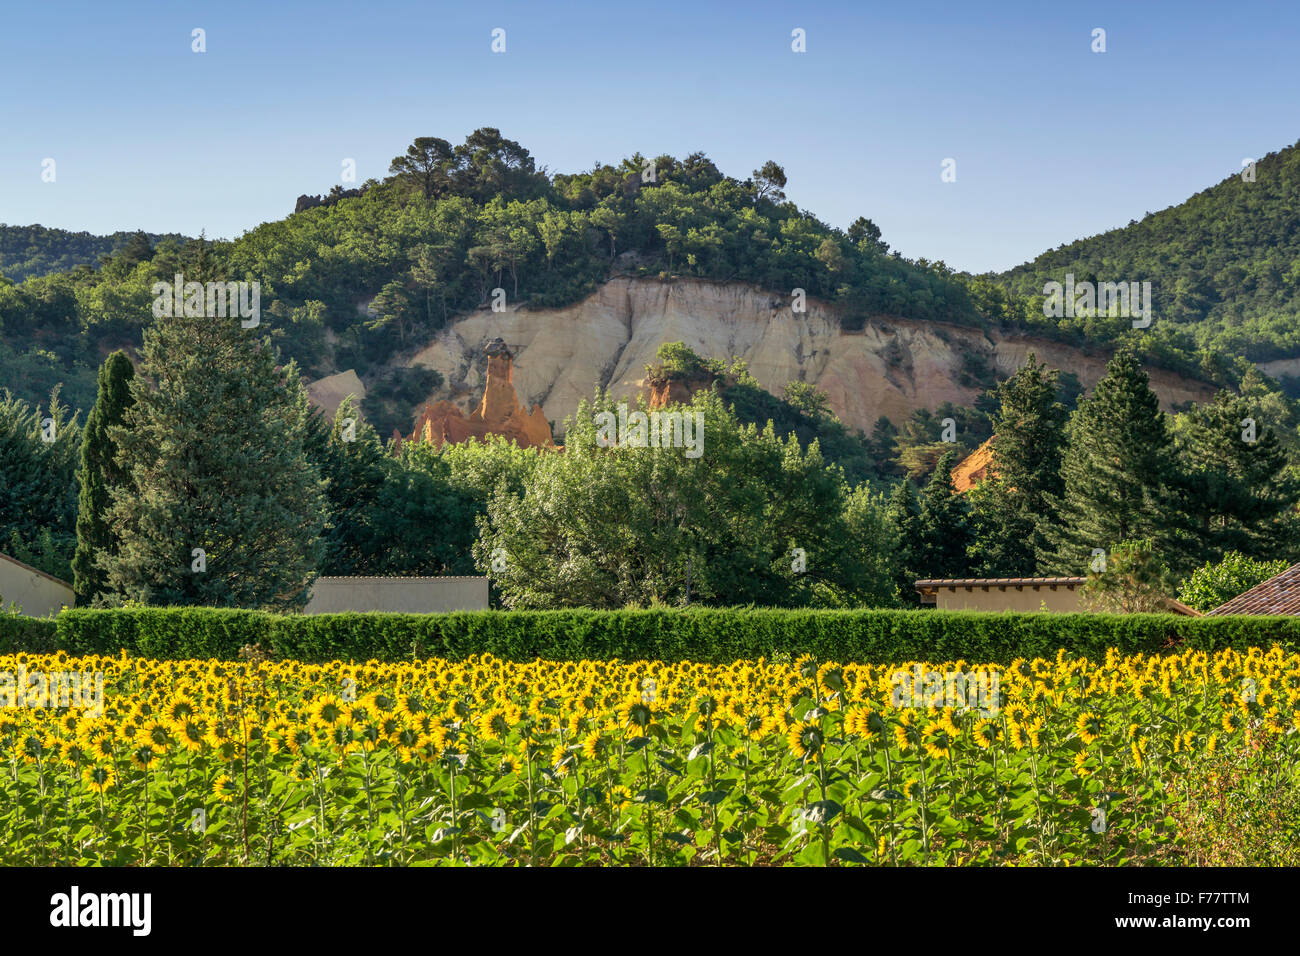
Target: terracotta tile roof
(401,577)
(1280,594)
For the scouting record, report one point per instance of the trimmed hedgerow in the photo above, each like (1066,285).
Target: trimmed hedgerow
(18,633)
(712,635)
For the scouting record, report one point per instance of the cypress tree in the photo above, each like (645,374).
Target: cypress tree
(98,474)
(1115,469)
(214,449)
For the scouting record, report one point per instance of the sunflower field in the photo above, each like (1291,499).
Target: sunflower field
(760,762)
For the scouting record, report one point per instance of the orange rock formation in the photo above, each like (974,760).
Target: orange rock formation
(499,413)
(974,468)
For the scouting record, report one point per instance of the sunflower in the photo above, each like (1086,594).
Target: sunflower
(1089,727)
(985,734)
(329,710)
(938,740)
(143,756)
(593,746)
(102,747)
(636,712)
(806,739)
(99,778)
(191,732)
(157,734)
(509,764)
(560,759)
(1018,735)
(181,708)
(1139,750)
(492,725)
(224,789)
(1232,721)
(1081,764)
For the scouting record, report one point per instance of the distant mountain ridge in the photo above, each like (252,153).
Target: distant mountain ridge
(37,250)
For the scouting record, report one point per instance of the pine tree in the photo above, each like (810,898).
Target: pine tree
(214,449)
(1014,512)
(1235,489)
(98,474)
(1115,469)
(904,515)
(944,524)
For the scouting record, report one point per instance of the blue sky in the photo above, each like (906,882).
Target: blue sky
(1052,141)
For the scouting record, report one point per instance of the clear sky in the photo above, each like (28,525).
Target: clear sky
(1052,141)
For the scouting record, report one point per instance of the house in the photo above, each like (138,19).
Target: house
(37,593)
(429,595)
(1280,594)
(1015,594)
(1001,594)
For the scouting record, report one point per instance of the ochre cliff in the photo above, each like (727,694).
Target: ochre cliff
(497,413)
(891,367)
(974,468)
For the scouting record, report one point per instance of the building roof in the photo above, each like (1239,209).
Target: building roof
(28,567)
(402,577)
(1280,594)
(998,582)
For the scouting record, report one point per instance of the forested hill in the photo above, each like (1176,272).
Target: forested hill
(1224,265)
(35,250)
(362,276)
(355,278)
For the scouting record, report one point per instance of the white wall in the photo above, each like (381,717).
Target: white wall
(37,593)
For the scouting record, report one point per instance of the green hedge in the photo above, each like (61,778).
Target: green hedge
(717,635)
(18,633)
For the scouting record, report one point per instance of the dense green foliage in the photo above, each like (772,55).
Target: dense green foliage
(738,516)
(27,251)
(220,505)
(1015,508)
(706,635)
(39,450)
(1216,584)
(20,632)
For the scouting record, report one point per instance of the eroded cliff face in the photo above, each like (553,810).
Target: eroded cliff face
(498,413)
(891,368)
